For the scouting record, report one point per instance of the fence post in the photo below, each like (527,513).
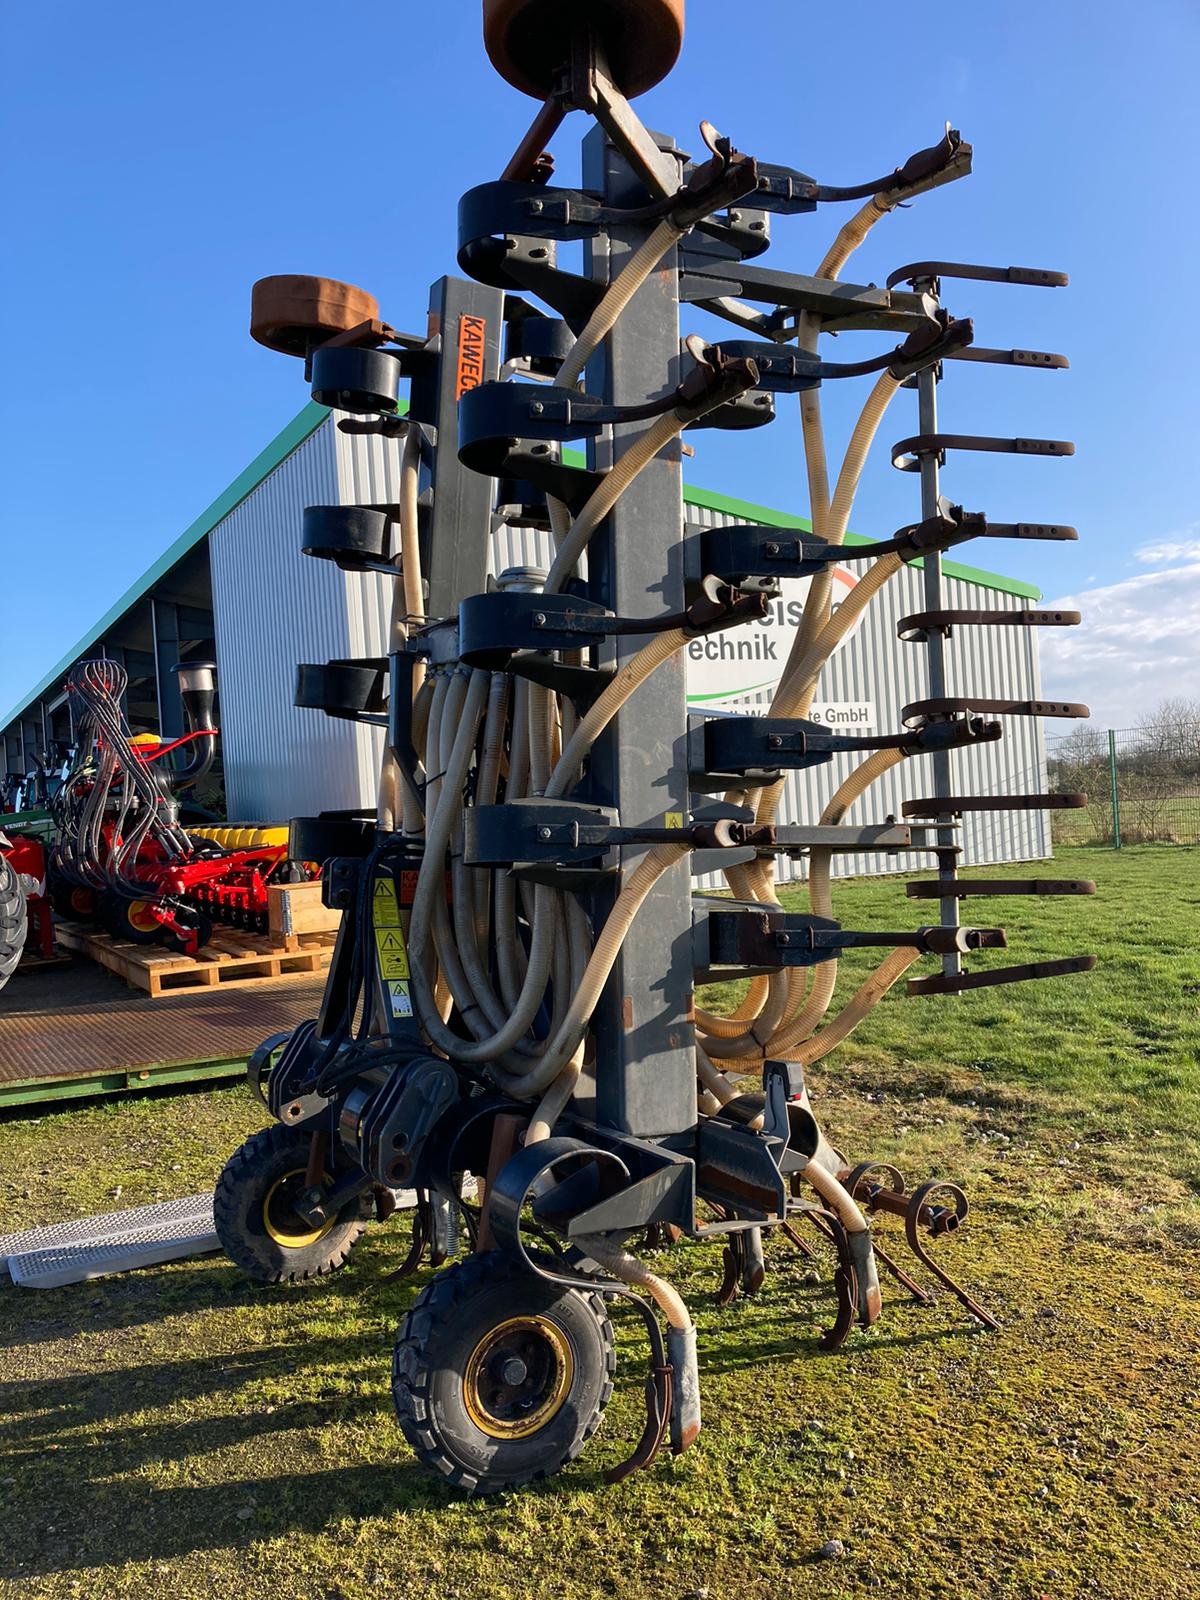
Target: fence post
(1112,778)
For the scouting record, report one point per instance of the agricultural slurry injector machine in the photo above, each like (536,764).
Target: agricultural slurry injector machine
(512,993)
(120,854)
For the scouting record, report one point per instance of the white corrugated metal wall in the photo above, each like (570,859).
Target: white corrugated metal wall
(274,608)
(280,761)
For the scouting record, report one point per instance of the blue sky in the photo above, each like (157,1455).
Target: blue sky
(159,159)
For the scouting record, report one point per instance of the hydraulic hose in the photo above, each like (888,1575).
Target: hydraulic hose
(390,806)
(836,1197)
(630,1270)
(821,901)
(889,971)
(627,679)
(608,944)
(606,494)
(615,299)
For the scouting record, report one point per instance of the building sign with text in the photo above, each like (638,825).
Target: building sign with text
(728,669)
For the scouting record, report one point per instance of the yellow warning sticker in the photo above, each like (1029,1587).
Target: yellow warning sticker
(401,999)
(393,957)
(673,819)
(384,908)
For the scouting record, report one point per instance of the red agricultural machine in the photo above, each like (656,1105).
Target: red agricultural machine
(113,850)
(121,854)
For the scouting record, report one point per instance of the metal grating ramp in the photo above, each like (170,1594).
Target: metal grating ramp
(94,1247)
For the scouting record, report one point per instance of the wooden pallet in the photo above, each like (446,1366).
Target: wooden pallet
(229,957)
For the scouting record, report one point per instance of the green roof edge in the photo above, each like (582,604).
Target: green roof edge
(299,429)
(306,423)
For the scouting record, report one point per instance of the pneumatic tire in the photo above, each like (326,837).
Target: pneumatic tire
(257,1227)
(14,921)
(500,1378)
(128,921)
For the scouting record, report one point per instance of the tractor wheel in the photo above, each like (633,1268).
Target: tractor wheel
(130,920)
(72,902)
(258,1229)
(14,921)
(499,1377)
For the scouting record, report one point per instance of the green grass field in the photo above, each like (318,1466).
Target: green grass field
(178,1433)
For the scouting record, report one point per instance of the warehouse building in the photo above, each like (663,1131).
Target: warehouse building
(204,598)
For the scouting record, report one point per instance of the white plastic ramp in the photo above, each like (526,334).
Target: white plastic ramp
(95,1247)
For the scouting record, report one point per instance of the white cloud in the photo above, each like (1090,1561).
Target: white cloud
(1168,553)
(1138,643)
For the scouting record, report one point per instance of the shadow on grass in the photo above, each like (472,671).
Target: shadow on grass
(77,1455)
(79,1448)
(117,1522)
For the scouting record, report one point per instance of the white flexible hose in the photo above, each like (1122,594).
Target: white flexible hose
(603,958)
(615,299)
(636,1273)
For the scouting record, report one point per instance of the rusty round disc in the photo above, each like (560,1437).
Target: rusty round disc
(530,40)
(289,311)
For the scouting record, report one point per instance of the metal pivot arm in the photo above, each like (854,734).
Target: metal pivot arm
(492,416)
(783,189)
(572,831)
(491,213)
(789,371)
(750,939)
(956,983)
(737,551)
(707,275)
(958,705)
(1001,887)
(720,747)
(922,272)
(951,525)
(907,453)
(954,805)
(1039,360)
(493,627)
(915,627)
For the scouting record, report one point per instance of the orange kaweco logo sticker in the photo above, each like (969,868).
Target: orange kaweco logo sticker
(472,331)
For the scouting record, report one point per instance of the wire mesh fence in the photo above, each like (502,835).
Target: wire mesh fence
(1142,784)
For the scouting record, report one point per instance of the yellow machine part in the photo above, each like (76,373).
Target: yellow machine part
(243,838)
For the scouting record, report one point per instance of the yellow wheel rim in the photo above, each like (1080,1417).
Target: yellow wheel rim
(139,916)
(518,1377)
(283,1224)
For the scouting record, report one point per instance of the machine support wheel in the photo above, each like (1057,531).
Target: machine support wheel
(129,920)
(14,922)
(256,1224)
(192,917)
(72,902)
(499,1377)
